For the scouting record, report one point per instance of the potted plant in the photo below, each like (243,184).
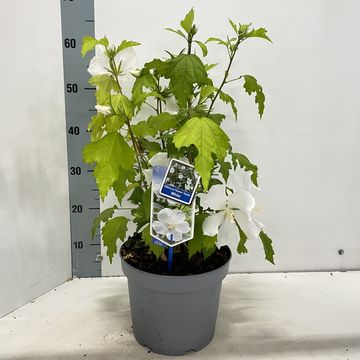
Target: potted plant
(174,290)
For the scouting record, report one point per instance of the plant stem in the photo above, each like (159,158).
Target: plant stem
(232,56)
(159,110)
(191,155)
(153,107)
(229,81)
(127,121)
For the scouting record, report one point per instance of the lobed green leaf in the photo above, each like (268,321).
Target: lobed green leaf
(184,71)
(122,105)
(102,217)
(157,250)
(143,128)
(259,33)
(109,154)
(200,242)
(245,163)
(228,99)
(163,121)
(89,43)
(104,85)
(96,125)
(126,44)
(251,86)
(188,21)
(268,248)
(208,138)
(113,230)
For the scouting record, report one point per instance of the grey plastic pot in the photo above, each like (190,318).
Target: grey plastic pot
(173,315)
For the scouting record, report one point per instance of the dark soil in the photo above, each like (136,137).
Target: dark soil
(136,253)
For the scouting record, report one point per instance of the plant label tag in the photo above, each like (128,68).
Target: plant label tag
(180,182)
(171,222)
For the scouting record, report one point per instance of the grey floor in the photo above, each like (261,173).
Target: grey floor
(262,316)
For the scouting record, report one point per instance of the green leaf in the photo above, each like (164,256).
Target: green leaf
(259,33)
(217,40)
(188,21)
(104,85)
(136,196)
(122,105)
(151,146)
(113,123)
(233,25)
(209,251)
(241,248)
(178,32)
(110,154)
(184,71)
(267,244)
(228,99)
(209,66)
(102,217)
(208,138)
(145,80)
(157,65)
(142,129)
(89,43)
(200,242)
(126,44)
(251,86)
(157,250)
(244,162)
(96,125)
(120,185)
(114,229)
(206,91)
(225,169)
(202,47)
(243,29)
(163,121)
(217,118)
(141,215)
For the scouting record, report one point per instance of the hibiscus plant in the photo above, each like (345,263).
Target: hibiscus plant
(126,142)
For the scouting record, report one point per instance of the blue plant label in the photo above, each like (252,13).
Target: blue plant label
(171,222)
(180,182)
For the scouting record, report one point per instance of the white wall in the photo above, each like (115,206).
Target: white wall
(34,219)
(307,144)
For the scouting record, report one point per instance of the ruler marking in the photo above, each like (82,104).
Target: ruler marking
(77,21)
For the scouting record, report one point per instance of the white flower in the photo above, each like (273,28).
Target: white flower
(99,64)
(172,224)
(231,208)
(105,110)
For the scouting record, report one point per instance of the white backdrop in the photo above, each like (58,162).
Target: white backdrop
(306,146)
(34,218)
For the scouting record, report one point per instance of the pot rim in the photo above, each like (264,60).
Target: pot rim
(178,277)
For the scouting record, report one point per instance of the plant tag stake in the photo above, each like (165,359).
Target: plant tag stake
(180,182)
(171,222)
